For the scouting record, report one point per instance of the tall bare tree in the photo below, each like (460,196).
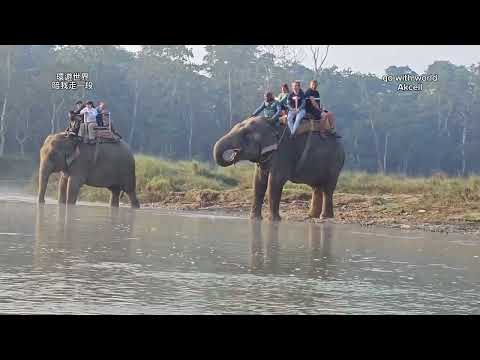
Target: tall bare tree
(56,107)
(285,55)
(22,130)
(318,58)
(3,118)
(373,104)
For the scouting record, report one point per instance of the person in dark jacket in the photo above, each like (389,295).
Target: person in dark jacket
(313,100)
(296,107)
(79,105)
(315,109)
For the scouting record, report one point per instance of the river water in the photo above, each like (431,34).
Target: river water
(96,260)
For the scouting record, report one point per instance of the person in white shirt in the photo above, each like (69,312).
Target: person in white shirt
(90,120)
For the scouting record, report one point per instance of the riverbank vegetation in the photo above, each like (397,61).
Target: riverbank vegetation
(165,104)
(360,196)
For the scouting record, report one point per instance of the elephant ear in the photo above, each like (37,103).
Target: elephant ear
(61,148)
(71,158)
(66,145)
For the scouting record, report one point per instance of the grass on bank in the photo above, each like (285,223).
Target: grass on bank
(157,178)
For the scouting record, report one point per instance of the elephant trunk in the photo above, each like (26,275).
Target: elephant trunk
(224,152)
(44,173)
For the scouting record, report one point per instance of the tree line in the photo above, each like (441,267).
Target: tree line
(164,104)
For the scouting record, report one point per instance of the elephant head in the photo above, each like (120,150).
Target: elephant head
(251,139)
(53,158)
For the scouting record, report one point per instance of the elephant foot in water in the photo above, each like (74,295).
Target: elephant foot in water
(326,216)
(256,211)
(254,216)
(275,218)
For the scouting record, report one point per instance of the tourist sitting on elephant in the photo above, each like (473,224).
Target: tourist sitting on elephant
(79,106)
(282,97)
(271,109)
(101,109)
(90,122)
(314,108)
(296,107)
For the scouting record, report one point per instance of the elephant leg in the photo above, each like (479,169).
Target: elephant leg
(316,204)
(62,189)
(114,196)
(73,189)
(134,203)
(327,208)
(275,188)
(260,182)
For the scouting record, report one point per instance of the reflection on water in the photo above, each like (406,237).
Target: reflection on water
(265,254)
(83,259)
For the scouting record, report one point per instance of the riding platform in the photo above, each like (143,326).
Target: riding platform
(308,124)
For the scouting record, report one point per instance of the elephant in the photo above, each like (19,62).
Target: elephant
(306,158)
(110,165)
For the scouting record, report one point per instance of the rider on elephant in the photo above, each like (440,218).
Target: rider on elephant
(283,96)
(314,108)
(296,107)
(271,109)
(90,121)
(313,100)
(74,118)
(79,105)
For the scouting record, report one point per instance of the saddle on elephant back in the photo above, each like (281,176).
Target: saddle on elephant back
(103,134)
(309,123)
(106,133)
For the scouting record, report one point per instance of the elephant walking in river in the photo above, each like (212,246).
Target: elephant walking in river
(109,165)
(306,158)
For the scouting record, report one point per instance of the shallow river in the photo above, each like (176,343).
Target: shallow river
(97,260)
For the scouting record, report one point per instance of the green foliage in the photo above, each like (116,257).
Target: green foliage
(166,106)
(158,178)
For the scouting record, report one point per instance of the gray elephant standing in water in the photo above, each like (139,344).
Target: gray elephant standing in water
(108,165)
(282,158)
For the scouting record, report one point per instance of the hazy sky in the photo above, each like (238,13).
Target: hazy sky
(376,58)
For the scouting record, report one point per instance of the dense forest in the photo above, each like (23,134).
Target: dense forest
(164,104)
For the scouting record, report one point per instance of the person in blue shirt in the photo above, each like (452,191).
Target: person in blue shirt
(271,109)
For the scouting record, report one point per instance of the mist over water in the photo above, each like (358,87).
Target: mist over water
(97,260)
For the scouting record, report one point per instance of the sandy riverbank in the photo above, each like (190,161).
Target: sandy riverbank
(389,210)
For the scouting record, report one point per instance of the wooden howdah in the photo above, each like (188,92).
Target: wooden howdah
(307,124)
